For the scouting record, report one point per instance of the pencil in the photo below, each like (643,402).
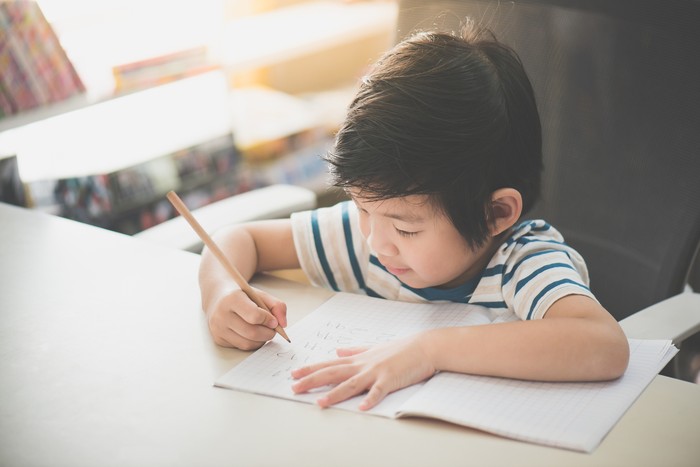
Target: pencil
(214,248)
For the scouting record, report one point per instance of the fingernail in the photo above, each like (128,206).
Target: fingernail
(273,323)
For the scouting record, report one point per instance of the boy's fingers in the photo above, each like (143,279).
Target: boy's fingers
(253,332)
(374,397)
(221,326)
(230,337)
(345,390)
(240,323)
(233,339)
(331,375)
(271,322)
(350,351)
(309,369)
(279,310)
(253,314)
(276,307)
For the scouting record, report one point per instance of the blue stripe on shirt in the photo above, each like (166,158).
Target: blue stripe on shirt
(509,275)
(351,248)
(491,305)
(321,252)
(494,271)
(351,252)
(550,287)
(521,283)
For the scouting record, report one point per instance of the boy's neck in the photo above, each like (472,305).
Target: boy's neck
(482,258)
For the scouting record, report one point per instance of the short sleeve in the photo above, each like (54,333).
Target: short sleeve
(540,270)
(326,247)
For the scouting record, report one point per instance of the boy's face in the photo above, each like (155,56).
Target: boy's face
(417,243)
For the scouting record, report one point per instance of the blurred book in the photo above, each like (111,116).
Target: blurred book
(161,69)
(35,69)
(131,199)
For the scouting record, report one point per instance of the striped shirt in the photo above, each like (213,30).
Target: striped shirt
(531,270)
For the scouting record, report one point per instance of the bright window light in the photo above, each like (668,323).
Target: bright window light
(98,35)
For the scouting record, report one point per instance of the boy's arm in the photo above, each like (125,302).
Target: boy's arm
(234,320)
(577,340)
(255,247)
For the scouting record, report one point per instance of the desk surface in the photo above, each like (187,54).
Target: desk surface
(105,359)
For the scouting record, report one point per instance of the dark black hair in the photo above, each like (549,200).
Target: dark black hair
(445,115)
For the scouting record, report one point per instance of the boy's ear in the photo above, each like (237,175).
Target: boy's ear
(506,207)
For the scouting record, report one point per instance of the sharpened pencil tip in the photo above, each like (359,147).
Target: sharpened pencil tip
(281,332)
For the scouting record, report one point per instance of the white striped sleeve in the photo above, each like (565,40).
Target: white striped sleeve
(322,248)
(539,273)
(304,245)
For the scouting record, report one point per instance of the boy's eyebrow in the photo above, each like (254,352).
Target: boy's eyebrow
(405,217)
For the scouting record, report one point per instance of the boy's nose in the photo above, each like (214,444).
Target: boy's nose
(381,244)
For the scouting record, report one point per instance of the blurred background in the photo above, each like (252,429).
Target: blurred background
(105,106)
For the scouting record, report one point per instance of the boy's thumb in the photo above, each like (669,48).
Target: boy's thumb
(279,311)
(271,322)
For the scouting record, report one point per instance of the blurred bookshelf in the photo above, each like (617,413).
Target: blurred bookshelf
(299,47)
(36,72)
(110,164)
(210,120)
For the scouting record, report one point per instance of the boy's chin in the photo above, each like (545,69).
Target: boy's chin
(417,282)
(420,283)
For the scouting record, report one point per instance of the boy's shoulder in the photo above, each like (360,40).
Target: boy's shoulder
(534,267)
(532,238)
(535,244)
(535,230)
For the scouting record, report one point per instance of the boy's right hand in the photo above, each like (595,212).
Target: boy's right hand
(236,321)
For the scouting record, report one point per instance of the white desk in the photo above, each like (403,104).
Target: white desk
(105,359)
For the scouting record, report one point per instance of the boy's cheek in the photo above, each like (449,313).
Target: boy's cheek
(364,229)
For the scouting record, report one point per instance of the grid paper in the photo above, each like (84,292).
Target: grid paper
(568,415)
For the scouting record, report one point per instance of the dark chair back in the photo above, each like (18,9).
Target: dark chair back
(618,88)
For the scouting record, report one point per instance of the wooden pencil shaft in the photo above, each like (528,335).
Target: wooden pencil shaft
(214,248)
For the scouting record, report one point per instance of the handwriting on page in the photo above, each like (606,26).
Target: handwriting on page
(323,343)
(339,334)
(348,321)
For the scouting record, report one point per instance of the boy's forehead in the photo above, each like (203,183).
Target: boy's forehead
(413,208)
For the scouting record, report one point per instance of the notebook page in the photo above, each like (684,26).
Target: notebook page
(569,415)
(345,320)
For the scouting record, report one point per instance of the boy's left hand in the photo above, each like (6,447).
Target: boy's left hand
(379,370)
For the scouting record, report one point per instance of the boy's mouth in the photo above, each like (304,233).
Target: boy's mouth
(396,271)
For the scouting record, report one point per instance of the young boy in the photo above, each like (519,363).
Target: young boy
(440,153)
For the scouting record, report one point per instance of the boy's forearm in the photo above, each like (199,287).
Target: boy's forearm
(566,349)
(239,248)
(251,247)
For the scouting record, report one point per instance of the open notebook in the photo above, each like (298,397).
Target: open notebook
(574,416)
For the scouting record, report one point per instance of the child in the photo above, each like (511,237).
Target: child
(440,153)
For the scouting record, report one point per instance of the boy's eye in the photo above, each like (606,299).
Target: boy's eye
(403,233)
